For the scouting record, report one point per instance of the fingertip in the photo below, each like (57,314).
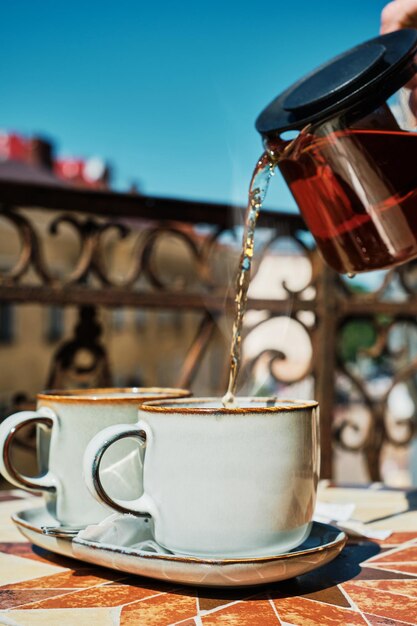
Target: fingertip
(389,18)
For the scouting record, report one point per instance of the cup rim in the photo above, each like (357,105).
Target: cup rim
(95,395)
(174,405)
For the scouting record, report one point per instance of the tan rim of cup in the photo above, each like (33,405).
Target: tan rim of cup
(97,395)
(280,405)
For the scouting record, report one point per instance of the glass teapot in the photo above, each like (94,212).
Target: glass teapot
(352,166)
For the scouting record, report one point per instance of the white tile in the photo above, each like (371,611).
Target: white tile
(14,569)
(61,617)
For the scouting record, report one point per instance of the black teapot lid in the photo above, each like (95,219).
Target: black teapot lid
(373,70)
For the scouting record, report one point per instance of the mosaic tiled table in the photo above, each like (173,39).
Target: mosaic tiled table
(371,582)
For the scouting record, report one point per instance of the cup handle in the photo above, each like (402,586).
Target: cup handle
(141,507)
(8,430)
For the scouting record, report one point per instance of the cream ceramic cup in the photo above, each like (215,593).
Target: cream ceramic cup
(221,482)
(66,422)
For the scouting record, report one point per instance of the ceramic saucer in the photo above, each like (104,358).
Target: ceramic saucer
(31,524)
(323,544)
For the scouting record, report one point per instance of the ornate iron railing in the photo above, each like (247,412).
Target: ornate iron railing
(161,254)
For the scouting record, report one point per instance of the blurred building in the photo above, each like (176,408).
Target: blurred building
(38,152)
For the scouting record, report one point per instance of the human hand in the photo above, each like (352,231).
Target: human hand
(399,14)
(396,15)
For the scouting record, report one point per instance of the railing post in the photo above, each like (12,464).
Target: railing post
(325,368)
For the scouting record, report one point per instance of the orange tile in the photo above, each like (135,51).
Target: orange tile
(65,580)
(304,612)
(11,598)
(374,620)
(29,551)
(18,548)
(162,610)
(329,595)
(247,613)
(377,573)
(396,539)
(408,554)
(102,596)
(407,568)
(404,587)
(383,603)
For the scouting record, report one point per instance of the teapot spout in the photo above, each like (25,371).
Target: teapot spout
(283,147)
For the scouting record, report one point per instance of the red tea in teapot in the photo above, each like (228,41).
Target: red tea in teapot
(352,167)
(357,192)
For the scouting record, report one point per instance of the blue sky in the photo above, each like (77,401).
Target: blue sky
(167,91)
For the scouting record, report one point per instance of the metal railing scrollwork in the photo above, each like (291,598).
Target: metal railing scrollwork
(173,255)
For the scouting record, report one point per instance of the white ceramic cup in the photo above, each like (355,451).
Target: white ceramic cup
(66,421)
(221,482)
